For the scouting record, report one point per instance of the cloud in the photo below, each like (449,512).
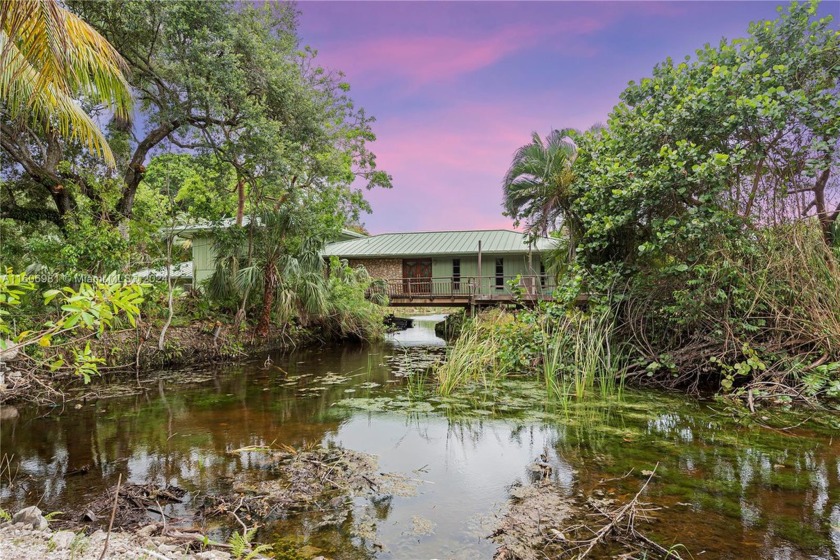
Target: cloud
(448,163)
(424,59)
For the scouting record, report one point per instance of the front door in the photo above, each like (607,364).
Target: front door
(417,276)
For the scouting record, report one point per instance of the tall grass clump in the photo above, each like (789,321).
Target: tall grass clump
(475,357)
(575,355)
(583,359)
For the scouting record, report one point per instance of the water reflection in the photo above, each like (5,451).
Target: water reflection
(730,491)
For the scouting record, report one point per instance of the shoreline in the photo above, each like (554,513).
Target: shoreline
(135,352)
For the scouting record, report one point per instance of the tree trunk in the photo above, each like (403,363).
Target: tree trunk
(270,275)
(826,220)
(240,201)
(136,168)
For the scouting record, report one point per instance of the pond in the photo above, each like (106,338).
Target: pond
(730,488)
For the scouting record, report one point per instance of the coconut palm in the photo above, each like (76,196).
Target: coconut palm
(49,58)
(537,184)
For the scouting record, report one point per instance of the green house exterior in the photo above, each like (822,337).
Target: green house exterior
(204,255)
(449,261)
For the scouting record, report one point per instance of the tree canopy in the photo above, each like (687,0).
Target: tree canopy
(208,78)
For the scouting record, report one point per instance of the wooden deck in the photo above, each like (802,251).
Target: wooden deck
(468,292)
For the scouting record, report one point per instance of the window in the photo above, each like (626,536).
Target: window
(500,274)
(456,274)
(542,274)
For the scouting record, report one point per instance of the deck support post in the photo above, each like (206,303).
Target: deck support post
(479,267)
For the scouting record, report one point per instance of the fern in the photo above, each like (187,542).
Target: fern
(257,551)
(240,544)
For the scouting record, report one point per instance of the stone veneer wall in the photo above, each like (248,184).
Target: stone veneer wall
(381,269)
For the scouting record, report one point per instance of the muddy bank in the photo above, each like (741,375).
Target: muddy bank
(542,521)
(531,522)
(136,351)
(450,328)
(335,487)
(23,542)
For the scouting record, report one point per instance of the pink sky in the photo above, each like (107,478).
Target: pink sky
(457,87)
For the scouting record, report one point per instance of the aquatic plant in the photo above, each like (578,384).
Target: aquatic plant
(575,354)
(474,358)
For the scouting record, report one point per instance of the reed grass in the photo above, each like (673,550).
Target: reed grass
(473,359)
(578,356)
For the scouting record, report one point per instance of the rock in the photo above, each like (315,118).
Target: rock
(8,412)
(213,555)
(148,530)
(8,350)
(97,536)
(31,517)
(89,516)
(63,539)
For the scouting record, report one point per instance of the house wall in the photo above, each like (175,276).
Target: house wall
(513,265)
(381,269)
(391,269)
(204,259)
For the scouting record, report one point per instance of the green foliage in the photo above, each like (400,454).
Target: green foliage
(689,201)
(694,153)
(203,187)
(241,548)
(92,308)
(823,379)
(13,288)
(749,366)
(350,312)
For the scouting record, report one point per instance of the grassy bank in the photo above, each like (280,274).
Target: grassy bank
(758,320)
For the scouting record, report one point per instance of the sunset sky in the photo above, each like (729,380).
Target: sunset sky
(457,87)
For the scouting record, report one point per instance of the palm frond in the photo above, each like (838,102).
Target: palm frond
(536,185)
(48,57)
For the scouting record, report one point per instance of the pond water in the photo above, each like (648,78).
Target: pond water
(730,489)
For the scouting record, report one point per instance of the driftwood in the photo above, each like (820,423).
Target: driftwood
(130,505)
(543,523)
(113,514)
(621,524)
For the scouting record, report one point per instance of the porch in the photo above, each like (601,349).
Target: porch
(467,291)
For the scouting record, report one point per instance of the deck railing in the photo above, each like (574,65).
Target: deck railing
(467,286)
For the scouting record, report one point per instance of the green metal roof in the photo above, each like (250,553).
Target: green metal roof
(434,243)
(191,231)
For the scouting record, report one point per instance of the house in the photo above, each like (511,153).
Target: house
(181,273)
(451,267)
(202,238)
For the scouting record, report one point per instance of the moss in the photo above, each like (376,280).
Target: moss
(802,535)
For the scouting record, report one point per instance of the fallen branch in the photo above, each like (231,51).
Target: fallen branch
(626,512)
(113,514)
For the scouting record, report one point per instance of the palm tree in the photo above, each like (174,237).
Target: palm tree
(537,184)
(285,266)
(49,57)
